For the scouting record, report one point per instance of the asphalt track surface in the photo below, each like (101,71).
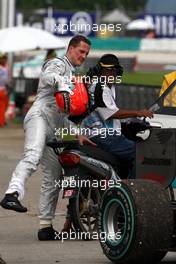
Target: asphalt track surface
(18,232)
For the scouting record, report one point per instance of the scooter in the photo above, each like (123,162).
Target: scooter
(87,172)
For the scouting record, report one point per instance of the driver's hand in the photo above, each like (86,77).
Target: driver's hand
(145,113)
(83,140)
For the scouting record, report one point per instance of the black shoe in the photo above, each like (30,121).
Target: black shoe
(11,202)
(48,233)
(2,261)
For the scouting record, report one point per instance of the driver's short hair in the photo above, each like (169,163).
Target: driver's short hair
(75,41)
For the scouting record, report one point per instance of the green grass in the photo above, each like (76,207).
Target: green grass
(145,78)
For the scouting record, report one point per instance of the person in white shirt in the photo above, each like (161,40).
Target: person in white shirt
(103,124)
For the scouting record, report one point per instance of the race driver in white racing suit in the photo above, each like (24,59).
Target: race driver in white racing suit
(39,126)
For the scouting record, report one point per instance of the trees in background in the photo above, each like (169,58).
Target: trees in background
(87,5)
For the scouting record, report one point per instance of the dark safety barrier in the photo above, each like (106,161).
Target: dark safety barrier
(129,96)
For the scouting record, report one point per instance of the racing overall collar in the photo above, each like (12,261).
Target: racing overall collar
(69,63)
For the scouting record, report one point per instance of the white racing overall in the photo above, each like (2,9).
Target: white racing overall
(39,126)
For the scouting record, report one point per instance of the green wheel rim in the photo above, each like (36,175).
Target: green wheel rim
(132,224)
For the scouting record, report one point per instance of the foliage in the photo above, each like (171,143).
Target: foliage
(86,5)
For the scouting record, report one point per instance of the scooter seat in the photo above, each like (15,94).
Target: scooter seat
(92,151)
(98,153)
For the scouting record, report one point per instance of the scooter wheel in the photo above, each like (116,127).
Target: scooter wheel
(83,209)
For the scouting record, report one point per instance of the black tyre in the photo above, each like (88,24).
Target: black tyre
(136,222)
(84,210)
